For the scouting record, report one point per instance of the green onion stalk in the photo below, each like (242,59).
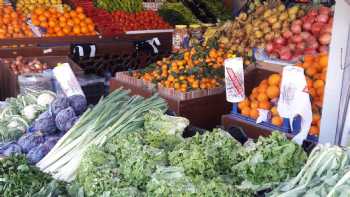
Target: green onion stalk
(115,114)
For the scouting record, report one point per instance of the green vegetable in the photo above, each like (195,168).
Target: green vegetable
(209,155)
(18,178)
(124,5)
(325,174)
(217,8)
(30,112)
(117,113)
(170,181)
(271,160)
(177,14)
(163,131)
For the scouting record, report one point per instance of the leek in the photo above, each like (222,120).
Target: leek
(117,113)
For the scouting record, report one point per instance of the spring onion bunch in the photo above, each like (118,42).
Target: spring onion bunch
(117,113)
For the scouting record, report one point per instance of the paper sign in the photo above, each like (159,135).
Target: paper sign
(264,115)
(294,100)
(67,80)
(234,80)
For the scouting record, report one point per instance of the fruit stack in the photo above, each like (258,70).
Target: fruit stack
(12,24)
(27,6)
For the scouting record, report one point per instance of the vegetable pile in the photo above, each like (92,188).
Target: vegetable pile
(20,66)
(326,173)
(117,113)
(19,113)
(191,69)
(126,5)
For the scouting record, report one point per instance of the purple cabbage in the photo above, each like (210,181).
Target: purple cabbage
(51,141)
(5,145)
(45,123)
(59,104)
(30,140)
(70,123)
(37,153)
(63,117)
(13,149)
(78,103)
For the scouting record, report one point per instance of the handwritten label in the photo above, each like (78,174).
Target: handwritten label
(234,79)
(67,80)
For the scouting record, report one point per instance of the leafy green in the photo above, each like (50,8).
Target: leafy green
(271,160)
(18,178)
(163,131)
(170,181)
(177,14)
(208,155)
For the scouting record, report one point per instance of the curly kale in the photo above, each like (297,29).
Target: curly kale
(207,155)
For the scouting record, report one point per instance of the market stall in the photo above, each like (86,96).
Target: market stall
(173,98)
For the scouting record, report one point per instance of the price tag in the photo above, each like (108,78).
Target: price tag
(294,100)
(67,80)
(234,80)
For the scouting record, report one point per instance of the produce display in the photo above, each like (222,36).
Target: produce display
(217,8)
(20,66)
(310,34)
(18,114)
(264,96)
(47,128)
(12,24)
(126,5)
(120,19)
(176,13)
(326,173)
(117,113)
(27,6)
(191,69)
(66,23)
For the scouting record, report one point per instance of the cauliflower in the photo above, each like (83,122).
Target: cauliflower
(30,112)
(78,103)
(46,98)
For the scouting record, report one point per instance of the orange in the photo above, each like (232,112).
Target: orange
(245,111)
(39,11)
(318,84)
(308,58)
(73,14)
(323,62)
(277,121)
(62,19)
(57,29)
(262,97)
(306,65)
(44,24)
(262,88)
(81,16)
(312,92)
(265,105)
(91,28)
(79,9)
(264,82)
(70,22)
(52,23)
(254,104)
(311,71)
(243,104)
(320,92)
(66,30)
(89,21)
(273,92)
(84,30)
(274,79)
(274,111)
(314,130)
(315,118)
(254,113)
(42,18)
(76,21)
(309,83)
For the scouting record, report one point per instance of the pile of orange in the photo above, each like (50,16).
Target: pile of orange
(315,70)
(12,24)
(264,96)
(66,23)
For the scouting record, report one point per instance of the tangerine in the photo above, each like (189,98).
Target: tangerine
(245,111)
(277,121)
(273,92)
(274,111)
(314,130)
(262,97)
(274,79)
(254,113)
(265,105)
(318,84)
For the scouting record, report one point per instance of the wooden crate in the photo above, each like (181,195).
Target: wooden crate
(204,112)
(9,81)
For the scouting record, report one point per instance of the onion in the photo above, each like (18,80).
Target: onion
(269,47)
(307,25)
(323,49)
(322,18)
(325,38)
(297,22)
(301,46)
(309,51)
(292,46)
(312,12)
(296,28)
(326,29)
(287,34)
(280,41)
(305,35)
(312,44)
(325,10)
(297,38)
(316,28)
